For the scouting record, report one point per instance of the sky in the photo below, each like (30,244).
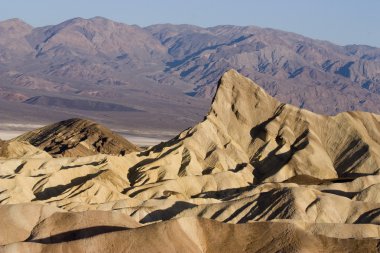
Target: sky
(340,21)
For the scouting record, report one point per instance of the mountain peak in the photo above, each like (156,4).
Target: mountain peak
(235,80)
(15,25)
(236,94)
(14,21)
(94,21)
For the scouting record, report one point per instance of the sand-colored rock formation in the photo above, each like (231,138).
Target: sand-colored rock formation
(20,149)
(78,137)
(254,176)
(247,130)
(191,235)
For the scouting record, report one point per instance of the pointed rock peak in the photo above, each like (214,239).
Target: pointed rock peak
(235,80)
(78,137)
(241,95)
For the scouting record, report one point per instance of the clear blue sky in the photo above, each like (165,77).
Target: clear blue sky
(339,21)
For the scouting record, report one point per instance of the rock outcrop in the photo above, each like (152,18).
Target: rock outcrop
(248,130)
(78,137)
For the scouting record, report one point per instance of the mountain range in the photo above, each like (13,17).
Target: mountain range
(162,77)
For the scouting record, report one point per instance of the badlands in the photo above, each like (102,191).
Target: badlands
(255,175)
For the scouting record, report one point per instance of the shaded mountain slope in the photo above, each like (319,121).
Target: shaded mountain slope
(312,74)
(77,137)
(170,72)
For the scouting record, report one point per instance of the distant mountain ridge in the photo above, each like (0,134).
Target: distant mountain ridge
(166,67)
(313,74)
